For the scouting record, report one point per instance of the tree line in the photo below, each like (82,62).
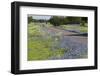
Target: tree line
(61,20)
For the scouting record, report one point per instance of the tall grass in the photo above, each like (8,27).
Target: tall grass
(82,29)
(41,44)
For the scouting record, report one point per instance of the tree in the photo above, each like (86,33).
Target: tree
(85,19)
(73,20)
(57,20)
(82,23)
(62,20)
(30,19)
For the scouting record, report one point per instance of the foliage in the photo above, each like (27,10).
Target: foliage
(55,20)
(85,19)
(30,19)
(76,27)
(41,47)
(73,20)
(83,23)
(62,20)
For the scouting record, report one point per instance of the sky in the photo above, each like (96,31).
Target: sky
(41,17)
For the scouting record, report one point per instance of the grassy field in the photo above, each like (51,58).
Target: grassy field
(83,29)
(40,47)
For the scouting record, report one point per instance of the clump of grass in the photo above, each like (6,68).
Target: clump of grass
(39,49)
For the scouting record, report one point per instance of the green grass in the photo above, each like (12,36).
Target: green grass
(39,47)
(72,27)
(84,29)
(40,50)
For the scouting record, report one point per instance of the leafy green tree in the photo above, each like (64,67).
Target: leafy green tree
(62,20)
(82,23)
(30,19)
(55,20)
(73,20)
(85,19)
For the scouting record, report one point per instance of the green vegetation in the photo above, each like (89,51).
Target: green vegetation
(30,19)
(56,20)
(72,27)
(83,24)
(63,20)
(40,47)
(83,29)
(44,40)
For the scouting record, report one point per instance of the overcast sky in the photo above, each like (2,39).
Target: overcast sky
(41,17)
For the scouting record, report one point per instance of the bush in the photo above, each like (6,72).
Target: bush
(62,20)
(82,23)
(30,19)
(55,20)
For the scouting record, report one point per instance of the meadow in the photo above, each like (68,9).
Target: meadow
(41,44)
(46,42)
(81,29)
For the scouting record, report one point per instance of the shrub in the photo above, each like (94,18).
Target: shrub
(82,23)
